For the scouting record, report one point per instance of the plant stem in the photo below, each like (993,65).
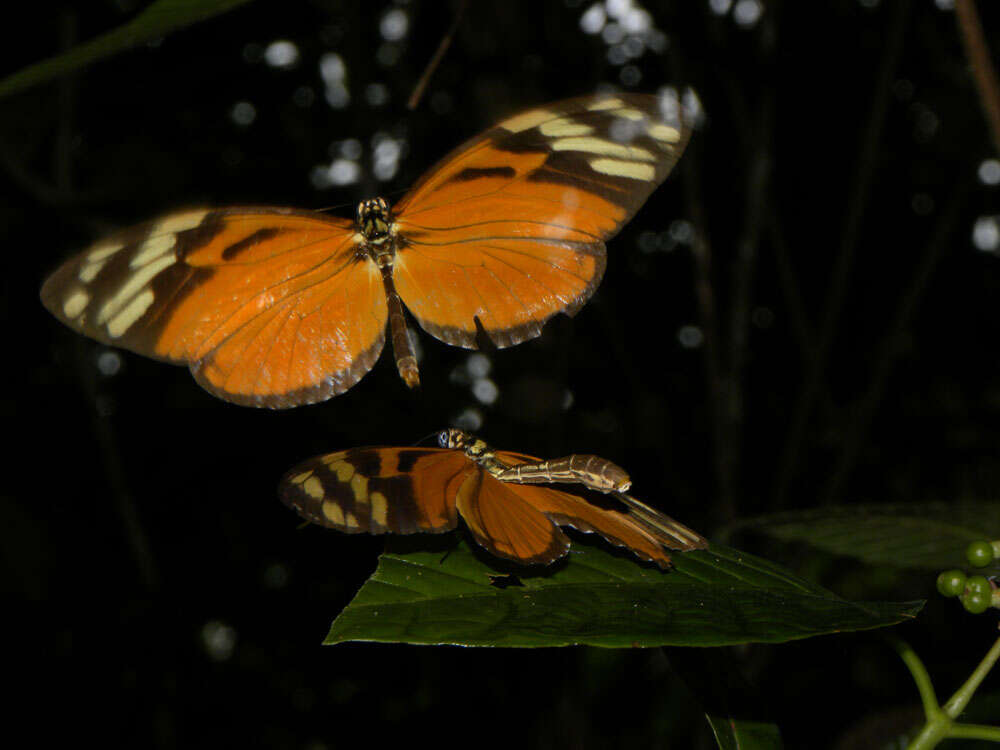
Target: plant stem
(920,676)
(940,722)
(957,703)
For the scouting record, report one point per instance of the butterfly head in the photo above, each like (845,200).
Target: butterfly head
(454,439)
(374,220)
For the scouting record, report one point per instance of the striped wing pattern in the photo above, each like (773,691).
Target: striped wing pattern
(268,307)
(275,307)
(510,227)
(411,490)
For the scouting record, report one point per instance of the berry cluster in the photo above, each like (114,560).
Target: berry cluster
(977,593)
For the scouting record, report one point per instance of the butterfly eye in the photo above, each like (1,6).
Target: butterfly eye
(444,438)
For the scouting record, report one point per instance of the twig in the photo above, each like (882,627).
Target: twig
(853,439)
(837,291)
(418,90)
(983,72)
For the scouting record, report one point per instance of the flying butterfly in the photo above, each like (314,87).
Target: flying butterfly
(501,496)
(277,307)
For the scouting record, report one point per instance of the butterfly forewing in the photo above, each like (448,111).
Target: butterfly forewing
(379,490)
(268,307)
(510,227)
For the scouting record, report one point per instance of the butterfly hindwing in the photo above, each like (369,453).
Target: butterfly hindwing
(510,227)
(268,307)
(379,490)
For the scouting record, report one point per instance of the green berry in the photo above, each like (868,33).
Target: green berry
(951,583)
(975,602)
(978,585)
(979,554)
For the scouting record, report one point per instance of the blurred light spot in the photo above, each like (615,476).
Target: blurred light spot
(762,317)
(649,242)
(109,363)
(459,375)
(690,337)
(339,172)
(986,234)
(470,419)
(478,365)
(694,114)
(253,52)
(304,96)
(637,21)
(633,46)
(657,41)
(903,89)
(337,96)
(945,4)
(387,151)
(350,148)
(989,172)
(332,68)
(746,13)
(720,7)
(276,576)
(612,33)
(387,54)
(243,113)
(617,8)
(394,25)
(281,54)
(567,401)
(485,390)
(593,19)
(218,639)
(616,54)
(681,231)
(868,3)
(376,94)
(630,76)
(922,204)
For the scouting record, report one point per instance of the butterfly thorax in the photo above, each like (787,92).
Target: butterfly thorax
(375,224)
(477,450)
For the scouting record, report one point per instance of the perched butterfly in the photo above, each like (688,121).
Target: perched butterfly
(497,494)
(277,307)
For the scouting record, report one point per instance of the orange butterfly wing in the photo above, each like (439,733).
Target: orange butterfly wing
(379,490)
(506,523)
(510,227)
(268,307)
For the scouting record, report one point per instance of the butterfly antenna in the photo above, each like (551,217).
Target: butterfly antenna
(425,438)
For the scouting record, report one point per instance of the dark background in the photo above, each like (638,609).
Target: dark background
(171,600)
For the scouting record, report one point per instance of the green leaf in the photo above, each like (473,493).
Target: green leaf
(710,598)
(156,20)
(930,536)
(734,734)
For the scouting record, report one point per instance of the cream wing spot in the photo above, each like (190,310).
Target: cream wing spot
(526,120)
(359,486)
(380,509)
(102,251)
(603,148)
(630,114)
(75,303)
(313,487)
(564,126)
(631,169)
(179,222)
(300,478)
(136,283)
(134,310)
(665,133)
(88,271)
(342,469)
(613,103)
(153,248)
(334,513)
